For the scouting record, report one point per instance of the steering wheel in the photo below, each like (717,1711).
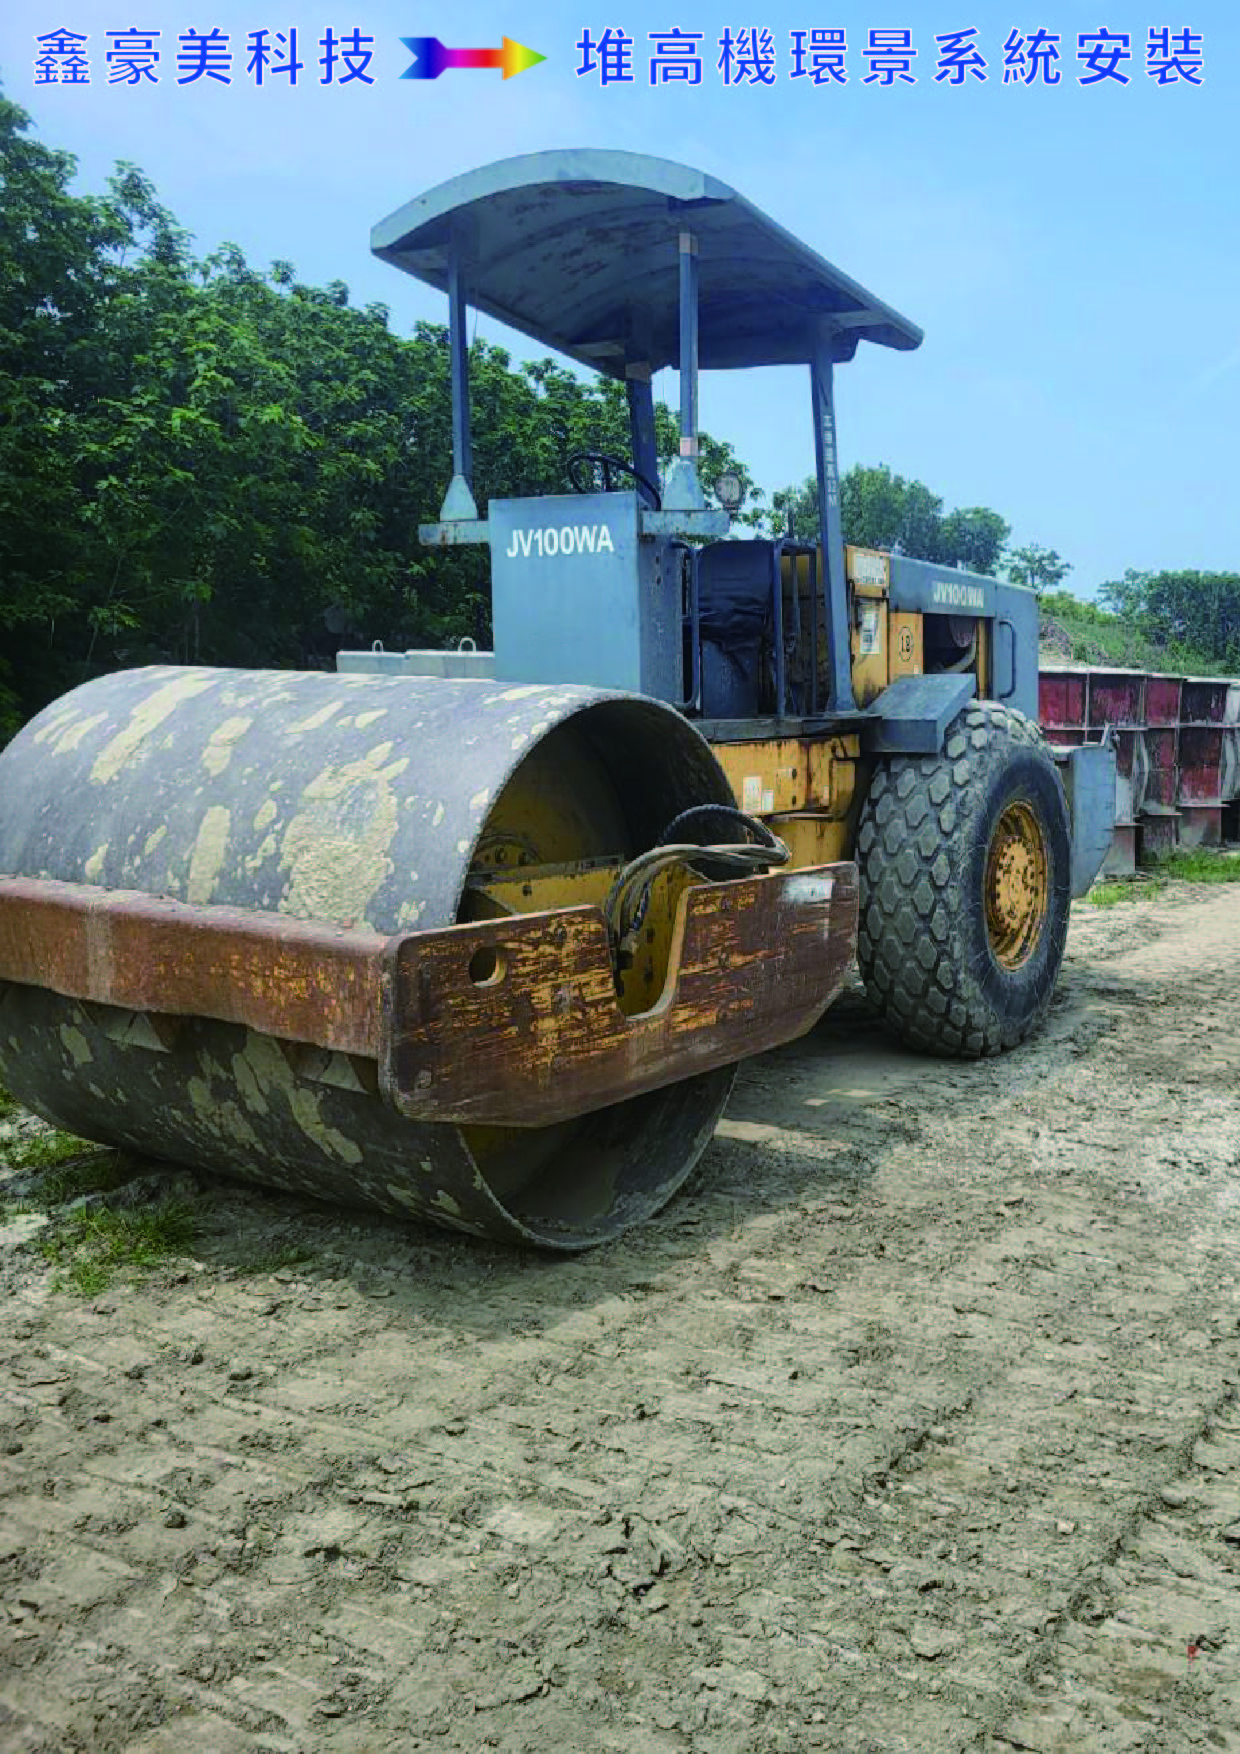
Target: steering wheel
(608,464)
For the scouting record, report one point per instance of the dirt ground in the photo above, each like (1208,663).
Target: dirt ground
(912,1424)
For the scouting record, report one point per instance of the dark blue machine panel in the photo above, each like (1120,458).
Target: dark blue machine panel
(919,585)
(579,595)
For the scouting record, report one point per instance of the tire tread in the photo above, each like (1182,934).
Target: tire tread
(912,888)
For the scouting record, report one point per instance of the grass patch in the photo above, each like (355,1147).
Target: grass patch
(1076,631)
(1117,890)
(100,1173)
(90,1248)
(1202,865)
(48,1150)
(7,1105)
(67,1167)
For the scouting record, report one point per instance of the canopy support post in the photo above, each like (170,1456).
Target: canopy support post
(688,345)
(458,505)
(684,490)
(834,575)
(641,422)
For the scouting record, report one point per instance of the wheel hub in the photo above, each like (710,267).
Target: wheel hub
(1017,886)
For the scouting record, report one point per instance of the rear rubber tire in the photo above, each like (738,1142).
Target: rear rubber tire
(941,971)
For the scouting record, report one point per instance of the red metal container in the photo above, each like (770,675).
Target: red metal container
(1206,747)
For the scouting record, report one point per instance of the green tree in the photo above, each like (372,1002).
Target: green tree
(1126,597)
(882,510)
(974,538)
(1041,569)
(204,462)
(1186,609)
(57,255)
(794,510)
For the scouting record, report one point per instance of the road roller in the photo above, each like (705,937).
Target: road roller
(481,937)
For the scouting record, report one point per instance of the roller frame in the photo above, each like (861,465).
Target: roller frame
(754,962)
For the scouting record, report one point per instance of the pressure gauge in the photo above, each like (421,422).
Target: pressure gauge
(729,491)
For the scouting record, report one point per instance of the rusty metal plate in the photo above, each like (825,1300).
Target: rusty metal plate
(507,1022)
(300,980)
(1061,699)
(515,1022)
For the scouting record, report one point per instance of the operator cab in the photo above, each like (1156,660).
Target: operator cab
(627,264)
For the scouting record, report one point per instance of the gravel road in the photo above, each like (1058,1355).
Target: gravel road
(911,1425)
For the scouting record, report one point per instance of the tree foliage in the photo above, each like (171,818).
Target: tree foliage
(882,510)
(202,462)
(1195,610)
(1089,633)
(1041,569)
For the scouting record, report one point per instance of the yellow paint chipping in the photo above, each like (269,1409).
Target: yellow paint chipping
(207,858)
(247,1084)
(57,719)
(271,1071)
(266,848)
(336,848)
(143,721)
(70,738)
(305,1107)
(218,752)
(316,721)
(220,1117)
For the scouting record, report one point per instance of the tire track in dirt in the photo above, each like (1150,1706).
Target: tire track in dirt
(1040,1573)
(1141,1661)
(865,1444)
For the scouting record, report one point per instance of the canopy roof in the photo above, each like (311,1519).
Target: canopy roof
(578,249)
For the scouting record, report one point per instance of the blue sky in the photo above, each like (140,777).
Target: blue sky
(1073,254)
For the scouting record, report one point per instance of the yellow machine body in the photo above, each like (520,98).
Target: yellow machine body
(809,788)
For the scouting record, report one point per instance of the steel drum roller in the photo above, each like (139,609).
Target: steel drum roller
(359,800)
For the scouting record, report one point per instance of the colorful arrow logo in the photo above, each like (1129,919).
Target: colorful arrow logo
(430,58)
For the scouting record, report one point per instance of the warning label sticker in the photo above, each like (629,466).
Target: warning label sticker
(870,632)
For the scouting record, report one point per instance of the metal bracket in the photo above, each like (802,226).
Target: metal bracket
(703,522)
(459,533)
(514,1022)
(303,980)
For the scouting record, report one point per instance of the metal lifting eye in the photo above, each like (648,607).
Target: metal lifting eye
(486,967)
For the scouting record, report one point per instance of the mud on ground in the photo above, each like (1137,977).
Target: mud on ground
(912,1424)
